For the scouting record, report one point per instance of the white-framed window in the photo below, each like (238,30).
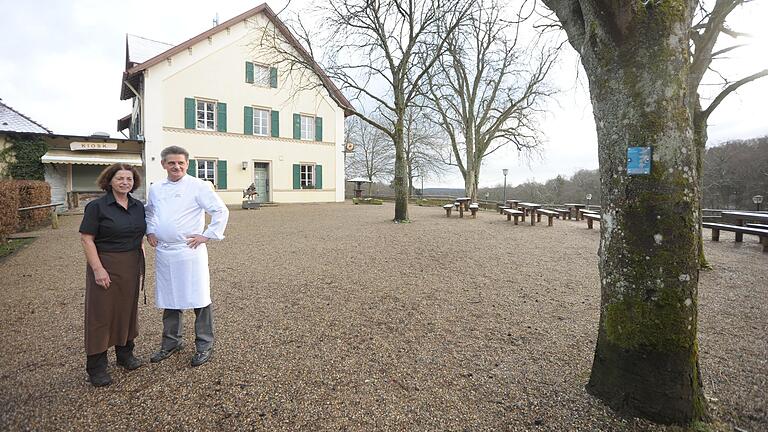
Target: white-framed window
(261,75)
(307,175)
(205,114)
(261,120)
(206,170)
(307,127)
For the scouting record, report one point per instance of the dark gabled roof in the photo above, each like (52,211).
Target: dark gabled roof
(132,71)
(14,121)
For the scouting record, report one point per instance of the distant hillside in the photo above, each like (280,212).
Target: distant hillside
(443,191)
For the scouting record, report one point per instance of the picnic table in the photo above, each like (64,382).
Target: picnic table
(464,202)
(530,208)
(512,203)
(574,208)
(741,218)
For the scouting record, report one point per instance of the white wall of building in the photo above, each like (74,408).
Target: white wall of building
(215,69)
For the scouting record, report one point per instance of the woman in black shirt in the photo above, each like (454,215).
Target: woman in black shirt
(112,231)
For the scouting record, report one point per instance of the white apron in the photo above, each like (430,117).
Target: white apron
(182,276)
(176,210)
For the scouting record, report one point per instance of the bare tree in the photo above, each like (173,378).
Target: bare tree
(486,90)
(373,154)
(379,51)
(424,145)
(709,26)
(636,56)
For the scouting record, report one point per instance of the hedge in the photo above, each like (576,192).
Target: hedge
(23,193)
(9,204)
(32,193)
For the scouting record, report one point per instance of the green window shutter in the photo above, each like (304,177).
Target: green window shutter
(318,176)
(248,121)
(189,113)
(275,118)
(192,168)
(273,77)
(221,174)
(221,117)
(318,128)
(249,72)
(296,126)
(296,176)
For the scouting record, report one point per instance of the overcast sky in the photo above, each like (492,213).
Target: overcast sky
(62,62)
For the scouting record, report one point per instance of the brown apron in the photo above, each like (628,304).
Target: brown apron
(111,314)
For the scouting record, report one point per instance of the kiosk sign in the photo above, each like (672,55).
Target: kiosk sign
(92,146)
(639,160)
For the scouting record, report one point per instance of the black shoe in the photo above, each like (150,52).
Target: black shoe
(201,357)
(100,379)
(130,362)
(164,354)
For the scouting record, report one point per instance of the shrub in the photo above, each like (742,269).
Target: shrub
(27,153)
(9,204)
(32,193)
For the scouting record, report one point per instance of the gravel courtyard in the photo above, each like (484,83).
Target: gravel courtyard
(331,317)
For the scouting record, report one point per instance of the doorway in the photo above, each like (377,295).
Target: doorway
(261,180)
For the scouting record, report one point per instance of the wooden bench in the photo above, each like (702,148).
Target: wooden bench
(550,214)
(584,212)
(591,217)
(757,225)
(513,213)
(448,208)
(54,216)
(474,207)
(502,208)
(562,213)
(717,227)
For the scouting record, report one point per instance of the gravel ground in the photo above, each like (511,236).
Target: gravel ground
(331,317)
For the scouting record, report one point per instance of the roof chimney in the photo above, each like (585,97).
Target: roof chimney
(216,20)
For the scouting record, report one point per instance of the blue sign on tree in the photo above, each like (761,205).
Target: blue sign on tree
(638,160)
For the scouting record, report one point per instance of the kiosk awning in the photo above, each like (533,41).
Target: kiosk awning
(90,158)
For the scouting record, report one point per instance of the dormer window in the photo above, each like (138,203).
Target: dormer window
(260,75)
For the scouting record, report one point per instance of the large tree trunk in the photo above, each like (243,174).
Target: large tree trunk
(401,175)
(636,58)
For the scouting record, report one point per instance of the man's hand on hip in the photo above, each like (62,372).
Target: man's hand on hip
(152,240)
(196,240)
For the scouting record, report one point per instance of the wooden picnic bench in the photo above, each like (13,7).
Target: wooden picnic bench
(474,207)
(757,225)
(54,216)
(448,208)
(514,213)
(590,217)
(738,229)
(562,213)
(548,213)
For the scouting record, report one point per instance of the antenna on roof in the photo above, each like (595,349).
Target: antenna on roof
(216,20)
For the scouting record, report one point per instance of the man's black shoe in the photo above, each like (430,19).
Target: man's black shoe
(164,354)
(100,379)
(130,362)
(202,357)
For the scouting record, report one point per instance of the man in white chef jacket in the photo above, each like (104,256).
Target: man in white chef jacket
(175,212)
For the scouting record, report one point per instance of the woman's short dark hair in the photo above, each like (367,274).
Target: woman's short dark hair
(105,178)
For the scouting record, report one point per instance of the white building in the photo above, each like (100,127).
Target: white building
(223,96)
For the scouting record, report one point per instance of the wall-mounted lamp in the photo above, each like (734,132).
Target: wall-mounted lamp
(245,165)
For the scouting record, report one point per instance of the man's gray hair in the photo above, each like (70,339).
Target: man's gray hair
(176,150)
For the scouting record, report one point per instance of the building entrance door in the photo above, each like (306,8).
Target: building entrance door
(261,180)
